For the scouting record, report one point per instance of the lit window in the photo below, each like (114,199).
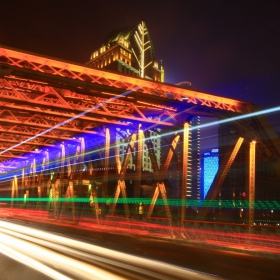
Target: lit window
(95,54)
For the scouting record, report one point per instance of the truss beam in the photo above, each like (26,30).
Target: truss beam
(185,156)
(53,101)
(21,61)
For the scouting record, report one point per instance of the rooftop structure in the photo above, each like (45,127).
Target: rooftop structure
(130,51)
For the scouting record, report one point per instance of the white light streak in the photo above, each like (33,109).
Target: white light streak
(71,119)
(148,267)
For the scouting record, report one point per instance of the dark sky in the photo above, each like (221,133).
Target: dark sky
(231,48)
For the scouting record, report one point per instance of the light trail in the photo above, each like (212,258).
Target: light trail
(225,203)
(10,175)
(40,254)
(232,119)
(206,125)
(236,118)
(28,261)
(130,266)
(242,117)
(71,119)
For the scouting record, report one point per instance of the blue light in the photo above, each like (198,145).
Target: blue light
(210,166)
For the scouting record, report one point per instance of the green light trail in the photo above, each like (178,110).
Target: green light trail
(237,204)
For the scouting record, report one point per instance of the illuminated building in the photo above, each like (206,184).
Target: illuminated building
(209,169)
(129,51)
(121,139)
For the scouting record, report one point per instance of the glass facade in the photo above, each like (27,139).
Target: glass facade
(209,169)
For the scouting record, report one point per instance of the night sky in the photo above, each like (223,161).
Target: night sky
(229,48)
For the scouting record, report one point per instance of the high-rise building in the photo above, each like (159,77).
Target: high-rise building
(130,51)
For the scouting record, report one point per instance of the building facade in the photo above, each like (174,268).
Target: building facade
(209,169)
(130,51)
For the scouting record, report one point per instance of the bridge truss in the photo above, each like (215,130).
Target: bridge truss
(58,132)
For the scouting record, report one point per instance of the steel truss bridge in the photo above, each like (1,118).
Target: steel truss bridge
(58,133)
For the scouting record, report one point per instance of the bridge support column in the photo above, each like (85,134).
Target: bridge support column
(183,192)
(252,163)
(93,198)
(14,189)
(139,154)
(106,162)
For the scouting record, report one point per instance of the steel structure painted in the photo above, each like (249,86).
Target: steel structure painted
(252,166)
(46,103)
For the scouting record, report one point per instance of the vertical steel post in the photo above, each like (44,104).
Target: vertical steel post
(33,191)
(14,189)
(183,192)
(94,199)
(71,193)
(252,163)
(82,155)
(62,166)
(139,154)
(22,191)
(47,174)
(33,178)
(117,155)
(56,194)
(81,162)
(106,162)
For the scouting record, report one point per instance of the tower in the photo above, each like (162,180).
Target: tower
(130,51)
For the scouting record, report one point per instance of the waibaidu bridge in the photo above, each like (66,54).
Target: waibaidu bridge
(72,142)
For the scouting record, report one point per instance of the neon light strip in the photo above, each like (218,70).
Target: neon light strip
(239,203)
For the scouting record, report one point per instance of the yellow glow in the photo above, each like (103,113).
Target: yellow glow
(102,49)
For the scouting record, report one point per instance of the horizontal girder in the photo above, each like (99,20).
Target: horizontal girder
(40,64)
(14,139)
(24,95)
